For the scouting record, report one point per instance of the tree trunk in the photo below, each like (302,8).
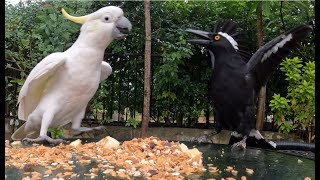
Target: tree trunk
(167,121)
(147,71)
(262,92)
(207,112)
(259,24)
(180,119)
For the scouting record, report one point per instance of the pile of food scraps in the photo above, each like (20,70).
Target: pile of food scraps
(150,158)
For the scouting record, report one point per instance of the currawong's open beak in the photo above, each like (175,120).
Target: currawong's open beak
(205,37)
(205,41)
(121,29)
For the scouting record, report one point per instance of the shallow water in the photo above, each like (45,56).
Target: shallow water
(266,164)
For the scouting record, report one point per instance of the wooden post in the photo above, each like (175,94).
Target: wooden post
(262,92)
(147,71)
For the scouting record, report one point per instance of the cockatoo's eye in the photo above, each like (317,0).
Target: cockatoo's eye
(107,18)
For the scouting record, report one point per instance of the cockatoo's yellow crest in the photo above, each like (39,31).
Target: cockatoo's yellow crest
(79,20)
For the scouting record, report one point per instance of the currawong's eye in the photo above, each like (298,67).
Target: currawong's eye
(217,37)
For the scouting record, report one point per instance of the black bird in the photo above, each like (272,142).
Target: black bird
(237,76)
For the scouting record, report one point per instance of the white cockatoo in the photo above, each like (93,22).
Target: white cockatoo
(58,89)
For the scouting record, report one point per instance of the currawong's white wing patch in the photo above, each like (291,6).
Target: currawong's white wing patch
(286,38)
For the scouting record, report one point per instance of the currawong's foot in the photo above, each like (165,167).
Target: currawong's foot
(81,130)
(42,139)
(239,146)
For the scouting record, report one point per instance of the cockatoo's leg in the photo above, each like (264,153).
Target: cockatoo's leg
(241,145)
(46,121)
(76,123)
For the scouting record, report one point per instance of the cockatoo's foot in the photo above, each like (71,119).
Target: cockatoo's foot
(42,139)
(81,130)
(239,146)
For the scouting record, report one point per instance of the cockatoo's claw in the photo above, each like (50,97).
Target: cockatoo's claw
(100,128)
(81,130)
(42,139)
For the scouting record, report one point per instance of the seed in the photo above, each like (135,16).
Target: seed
(176,174)
(243,178)
(234,172)
(152,145)
(249,171)
(28,167)
(152,172)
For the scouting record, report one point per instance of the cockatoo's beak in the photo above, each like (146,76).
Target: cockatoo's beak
(79,20)
(122,28)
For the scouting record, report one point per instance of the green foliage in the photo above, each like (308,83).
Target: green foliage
(180,72)
(56,133)
(299,103)
(166,76)
(132,122)
(280,105)
(107,119)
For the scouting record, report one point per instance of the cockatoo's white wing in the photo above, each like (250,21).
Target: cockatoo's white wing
(37,81)
(106,70)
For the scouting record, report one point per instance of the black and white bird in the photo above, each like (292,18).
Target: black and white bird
(237,75)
